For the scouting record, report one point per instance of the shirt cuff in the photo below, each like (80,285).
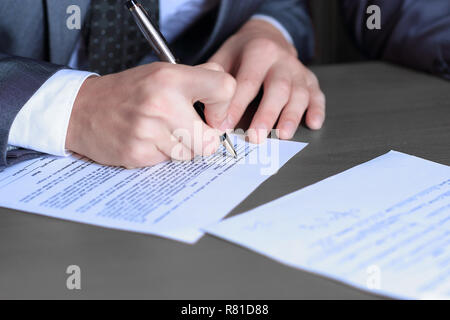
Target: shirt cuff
(276,24)
(42,123)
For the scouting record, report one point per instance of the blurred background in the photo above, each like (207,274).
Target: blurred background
(333,41)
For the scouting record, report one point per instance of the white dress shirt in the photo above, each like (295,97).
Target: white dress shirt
(42,122)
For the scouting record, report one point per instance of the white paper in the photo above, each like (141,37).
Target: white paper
(382,226)
(172,199)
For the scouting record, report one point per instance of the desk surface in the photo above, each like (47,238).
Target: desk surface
(372,108)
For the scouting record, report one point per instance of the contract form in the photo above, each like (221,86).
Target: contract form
(382,226)
(172,199)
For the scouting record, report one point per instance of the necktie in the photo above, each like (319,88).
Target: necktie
(114,42)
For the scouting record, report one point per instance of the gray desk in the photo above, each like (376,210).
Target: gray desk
(372,108)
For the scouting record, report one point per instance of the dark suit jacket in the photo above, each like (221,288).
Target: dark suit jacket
(35,43)
(415,33)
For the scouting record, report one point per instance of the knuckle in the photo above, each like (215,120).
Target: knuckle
(148,133)
(138,127)
(312,78)
(292,116)
(294,61)
(164,76)
(283,86)
(228,86)
(141,134)
(302,93)
(215,66)
(264,45)
(269,116)
(158,106)
(147,94)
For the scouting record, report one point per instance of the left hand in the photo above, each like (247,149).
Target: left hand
(258,54)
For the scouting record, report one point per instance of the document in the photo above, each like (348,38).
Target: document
(172,199)
(383,226)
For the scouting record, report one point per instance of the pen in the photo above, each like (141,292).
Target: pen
(160,47)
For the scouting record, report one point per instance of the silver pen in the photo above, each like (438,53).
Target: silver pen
(161,48)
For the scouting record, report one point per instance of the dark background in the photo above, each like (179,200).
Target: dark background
(334,43)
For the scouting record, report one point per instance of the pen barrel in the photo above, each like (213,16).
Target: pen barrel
(151,34)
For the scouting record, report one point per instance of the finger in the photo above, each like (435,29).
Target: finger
(215,112)
(146,156)
(189,129)
(250,77)
(293,112)
(277,90)
(206,85)
(214,88)
(155,140)
(174,149)
(168,144)
(200,139)
(213,66)
(315,115)
(225,56)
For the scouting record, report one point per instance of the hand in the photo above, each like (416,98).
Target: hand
(145,115)
(257,55)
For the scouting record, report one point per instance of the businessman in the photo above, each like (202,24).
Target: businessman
(414,33)
(98,91)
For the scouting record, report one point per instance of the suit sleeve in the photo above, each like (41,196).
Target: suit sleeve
(293,15)
(20,78)
(413,33)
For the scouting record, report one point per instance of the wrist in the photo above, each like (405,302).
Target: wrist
(261,28)
(77,117)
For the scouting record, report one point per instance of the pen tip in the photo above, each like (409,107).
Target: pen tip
(232,151)
(229,145)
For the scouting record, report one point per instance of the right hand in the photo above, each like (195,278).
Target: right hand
(145,115)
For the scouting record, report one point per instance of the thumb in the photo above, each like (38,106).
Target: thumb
(213,66)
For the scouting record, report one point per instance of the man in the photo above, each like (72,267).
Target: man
(414,33)
(130,117)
